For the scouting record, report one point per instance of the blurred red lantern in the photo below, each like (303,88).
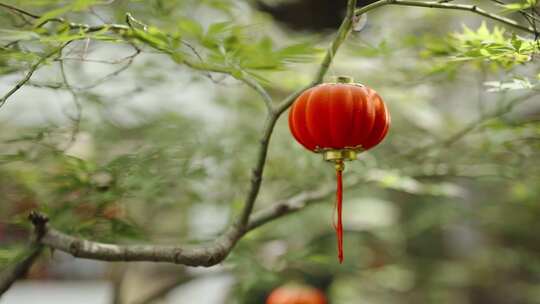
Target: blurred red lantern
(291,294)
(339,120)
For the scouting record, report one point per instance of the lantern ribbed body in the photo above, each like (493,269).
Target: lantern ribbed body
(335,116)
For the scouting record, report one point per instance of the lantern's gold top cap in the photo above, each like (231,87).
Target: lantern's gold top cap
(344,79)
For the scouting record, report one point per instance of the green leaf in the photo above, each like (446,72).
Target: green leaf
(492,45)
(76,6)
(191,28)
(153,37)
(218,28)
(519,6)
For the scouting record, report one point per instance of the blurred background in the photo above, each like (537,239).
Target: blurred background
(117,142)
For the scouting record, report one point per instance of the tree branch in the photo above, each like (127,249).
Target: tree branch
(29,74)
(288,206)
(18,10)
(257,171)
(444,5)
(205,255)
(257,87)
(216,251)
(341,35)
(20,268)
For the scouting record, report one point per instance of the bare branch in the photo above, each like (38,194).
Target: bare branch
(288,206)
(205,255)
(258,169)
(202,255)
(129,62)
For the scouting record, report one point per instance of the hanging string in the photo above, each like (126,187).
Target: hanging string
(340,166)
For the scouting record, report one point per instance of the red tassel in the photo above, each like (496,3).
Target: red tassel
(339,199)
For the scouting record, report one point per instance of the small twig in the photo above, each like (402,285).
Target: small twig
(29,74)
(19,11)
(291,205)
(255,85)
(418,152)
(130,59)
(194,51)
(130,19)
(78,108)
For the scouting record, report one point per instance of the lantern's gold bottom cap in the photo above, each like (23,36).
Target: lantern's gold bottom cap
(339,155)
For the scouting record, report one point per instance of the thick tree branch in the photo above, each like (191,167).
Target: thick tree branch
(20,268)
(14,272)
(201,255)
(205,255)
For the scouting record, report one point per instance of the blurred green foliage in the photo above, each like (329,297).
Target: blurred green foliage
(446,210)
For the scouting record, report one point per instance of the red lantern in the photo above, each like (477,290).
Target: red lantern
(339,120)
(291,294)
